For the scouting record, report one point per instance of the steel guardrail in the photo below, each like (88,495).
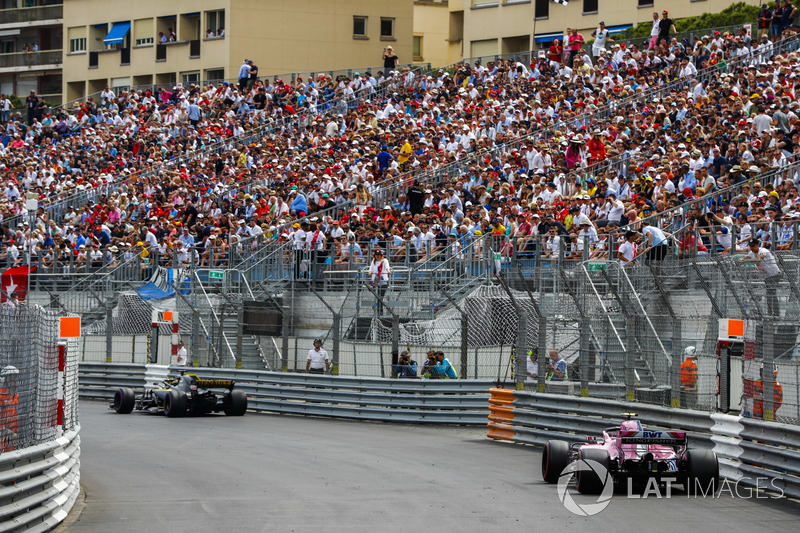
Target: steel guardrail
(402,400)
(749,451)
(40,484)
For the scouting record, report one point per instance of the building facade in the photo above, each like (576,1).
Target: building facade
(432,40)
(491,27)
(151,42)
(30,48)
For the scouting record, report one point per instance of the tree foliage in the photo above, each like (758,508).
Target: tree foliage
(738,13)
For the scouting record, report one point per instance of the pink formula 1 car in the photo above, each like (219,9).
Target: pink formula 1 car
(632,452)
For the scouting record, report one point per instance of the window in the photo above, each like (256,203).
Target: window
(590,6)
(214,75)
(387,28)
(143,32)
(484,48)
(77,39)
(77,44)
(189,78)
(215,23)
(416,48)
(359,26)
(542,9)
(645,3)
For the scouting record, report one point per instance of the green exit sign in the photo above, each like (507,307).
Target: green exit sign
(216,274)
(597,266)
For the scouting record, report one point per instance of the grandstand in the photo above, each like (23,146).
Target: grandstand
(475,178)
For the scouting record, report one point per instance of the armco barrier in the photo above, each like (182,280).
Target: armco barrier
(760,454)
(400,400)
(100,380)
(771,450)
(39,484)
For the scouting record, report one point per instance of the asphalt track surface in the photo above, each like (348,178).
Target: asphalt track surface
(255,473)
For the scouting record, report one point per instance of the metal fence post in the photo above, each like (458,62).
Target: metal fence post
(675,375)
(395,343)
(767,375)
(630,378)
(337,333)
(196,336)
(239,336)
(464,344)
(284,340)
(109,334)
(584,354)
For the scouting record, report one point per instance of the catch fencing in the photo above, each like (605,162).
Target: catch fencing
(30,379)
(39,442)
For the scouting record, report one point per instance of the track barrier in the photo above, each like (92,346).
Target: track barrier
(749,451)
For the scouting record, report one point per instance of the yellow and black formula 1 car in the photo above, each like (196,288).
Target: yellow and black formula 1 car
(187,394)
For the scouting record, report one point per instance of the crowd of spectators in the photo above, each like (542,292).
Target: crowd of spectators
(315,143)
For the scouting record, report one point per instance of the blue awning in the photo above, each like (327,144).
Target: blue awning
(118,32)
(151,291)
(618,29)
(547,37)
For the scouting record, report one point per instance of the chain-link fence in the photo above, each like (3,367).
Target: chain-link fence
(38,380)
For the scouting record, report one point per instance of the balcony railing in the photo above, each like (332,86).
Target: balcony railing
(24,15)
(31,59)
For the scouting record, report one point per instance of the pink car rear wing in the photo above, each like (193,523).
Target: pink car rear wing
(653,437)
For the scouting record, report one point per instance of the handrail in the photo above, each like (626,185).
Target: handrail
(216,319)
(727,191)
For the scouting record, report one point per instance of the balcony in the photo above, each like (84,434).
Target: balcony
(28,61)
(31,16)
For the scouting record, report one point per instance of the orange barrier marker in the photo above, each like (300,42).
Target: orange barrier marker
(69,326)
(501,411)
(501,396)
(500,431)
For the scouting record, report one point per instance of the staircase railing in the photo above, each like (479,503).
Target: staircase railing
(597,308)
(216,322)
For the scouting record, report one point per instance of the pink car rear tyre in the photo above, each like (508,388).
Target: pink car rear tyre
(588,479)
(555,458)
(703,472)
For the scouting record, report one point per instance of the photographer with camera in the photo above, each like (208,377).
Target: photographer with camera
(428,367)
(405,367)
(556,366)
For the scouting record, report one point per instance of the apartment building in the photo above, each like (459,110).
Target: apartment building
(30,48)
(431,41)
(123,44)
(490,27)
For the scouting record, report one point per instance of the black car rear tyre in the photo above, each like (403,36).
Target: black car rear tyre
(589,481)
(175,403)
(703,471)
(555,459)
(236,404)
(124,400)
